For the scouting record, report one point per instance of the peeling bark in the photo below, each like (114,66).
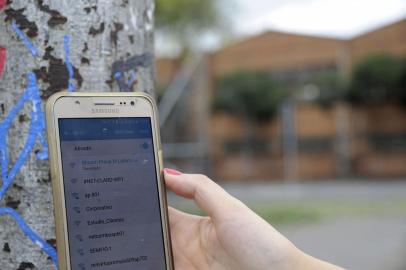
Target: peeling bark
(103,35)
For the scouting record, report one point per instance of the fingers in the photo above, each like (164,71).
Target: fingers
(175,216)
(209,196)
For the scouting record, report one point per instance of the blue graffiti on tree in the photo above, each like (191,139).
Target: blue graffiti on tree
(33,50)
(71,86)
(36,131)
(125,71)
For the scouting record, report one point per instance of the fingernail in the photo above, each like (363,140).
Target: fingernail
(172,171)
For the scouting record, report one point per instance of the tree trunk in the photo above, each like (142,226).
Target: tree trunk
(47,46)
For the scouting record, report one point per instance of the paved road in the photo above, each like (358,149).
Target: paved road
(356,242)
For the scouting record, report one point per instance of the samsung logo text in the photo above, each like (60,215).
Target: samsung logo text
(112,110)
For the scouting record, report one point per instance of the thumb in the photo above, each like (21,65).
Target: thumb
(208,195)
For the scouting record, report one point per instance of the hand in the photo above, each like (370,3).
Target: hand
(231,236)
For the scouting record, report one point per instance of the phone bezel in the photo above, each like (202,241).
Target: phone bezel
(62,105)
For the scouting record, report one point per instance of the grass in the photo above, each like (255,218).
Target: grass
(282,213)
(287,214)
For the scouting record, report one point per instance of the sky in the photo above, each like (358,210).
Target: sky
(333,18)
(337,18)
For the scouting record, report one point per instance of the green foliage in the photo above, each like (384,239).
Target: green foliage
(252,95)
(332,88)
(377,79)
(181,17)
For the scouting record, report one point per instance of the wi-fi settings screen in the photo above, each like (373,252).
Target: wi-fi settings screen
(111,195)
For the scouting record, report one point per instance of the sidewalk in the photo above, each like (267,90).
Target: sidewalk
(354,243)
(362,224)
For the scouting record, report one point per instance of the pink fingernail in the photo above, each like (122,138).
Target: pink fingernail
(172,171)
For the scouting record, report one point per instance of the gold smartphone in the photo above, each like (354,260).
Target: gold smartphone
(108,190)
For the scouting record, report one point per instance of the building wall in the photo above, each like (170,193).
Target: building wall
(166,69)
(318,129)
(274,51)
(318,139)
(389,40)
(379,141)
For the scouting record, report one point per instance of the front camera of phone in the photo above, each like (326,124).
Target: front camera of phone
(132,103)
(77,102)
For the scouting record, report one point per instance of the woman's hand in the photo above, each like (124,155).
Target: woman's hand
(231,236)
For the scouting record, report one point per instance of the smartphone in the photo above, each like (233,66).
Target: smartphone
(106,168)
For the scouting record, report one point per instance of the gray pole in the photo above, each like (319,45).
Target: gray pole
(289,140)
(47,46)
(343,140)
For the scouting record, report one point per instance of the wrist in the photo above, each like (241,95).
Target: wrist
(304,261)
(292,259)
(298,259)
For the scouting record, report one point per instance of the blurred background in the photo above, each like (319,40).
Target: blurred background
(298,108)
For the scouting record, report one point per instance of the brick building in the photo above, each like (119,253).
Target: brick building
(284,52)
(333,142)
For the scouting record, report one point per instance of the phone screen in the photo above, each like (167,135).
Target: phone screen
(111,193)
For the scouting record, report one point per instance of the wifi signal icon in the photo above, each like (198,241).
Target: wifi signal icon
(79,237)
